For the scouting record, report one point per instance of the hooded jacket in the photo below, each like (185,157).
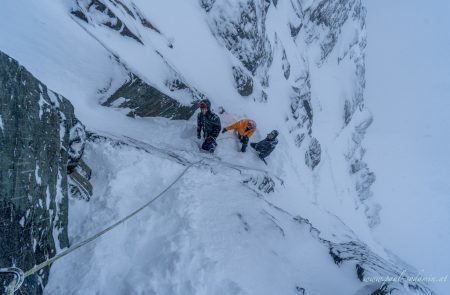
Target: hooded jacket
(209,123)
(265,146)
(241,127)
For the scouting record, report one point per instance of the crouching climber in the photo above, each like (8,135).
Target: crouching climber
(267,145)
(209,123)
(245,129)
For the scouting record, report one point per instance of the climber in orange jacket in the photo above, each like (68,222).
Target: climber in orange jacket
(245,129)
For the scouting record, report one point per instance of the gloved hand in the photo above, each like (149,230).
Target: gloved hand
(224,130)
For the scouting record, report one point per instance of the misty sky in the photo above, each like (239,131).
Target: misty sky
(408,91)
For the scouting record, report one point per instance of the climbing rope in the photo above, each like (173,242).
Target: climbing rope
(17,280)
(20,276)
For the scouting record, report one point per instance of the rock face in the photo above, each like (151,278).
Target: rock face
(146,101)
(370,267)
(39,138)
(243,82)
(242,30)
(325,38)
(83,9)
(135,94)
(313,154)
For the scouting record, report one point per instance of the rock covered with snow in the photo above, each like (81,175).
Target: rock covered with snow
(97,11)
(136,95)
(39,138)
(144,100)
(325,38)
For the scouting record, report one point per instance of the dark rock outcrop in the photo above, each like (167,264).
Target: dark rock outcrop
(300,290)
(207,4)
(301,105)
(86,10)
(242,30)
(313,154)
(265,183)
(39,138)
(295,30)
(147,101)
(379,275)
(301,115)
(331,16)
(138,96)
(324,24)
(242,82)
(286,66)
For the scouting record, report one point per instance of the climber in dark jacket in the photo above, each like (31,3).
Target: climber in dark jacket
(210,124)
(267,145)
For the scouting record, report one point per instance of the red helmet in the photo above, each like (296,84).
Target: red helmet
(205,104)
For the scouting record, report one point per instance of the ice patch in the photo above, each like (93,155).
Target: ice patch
(36,175)
(34,245)
(22,221)
(56,233)
(42,104)
(54,98)
(47,199)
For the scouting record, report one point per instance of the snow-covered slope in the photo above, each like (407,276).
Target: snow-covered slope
(295,66)
(217,231)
